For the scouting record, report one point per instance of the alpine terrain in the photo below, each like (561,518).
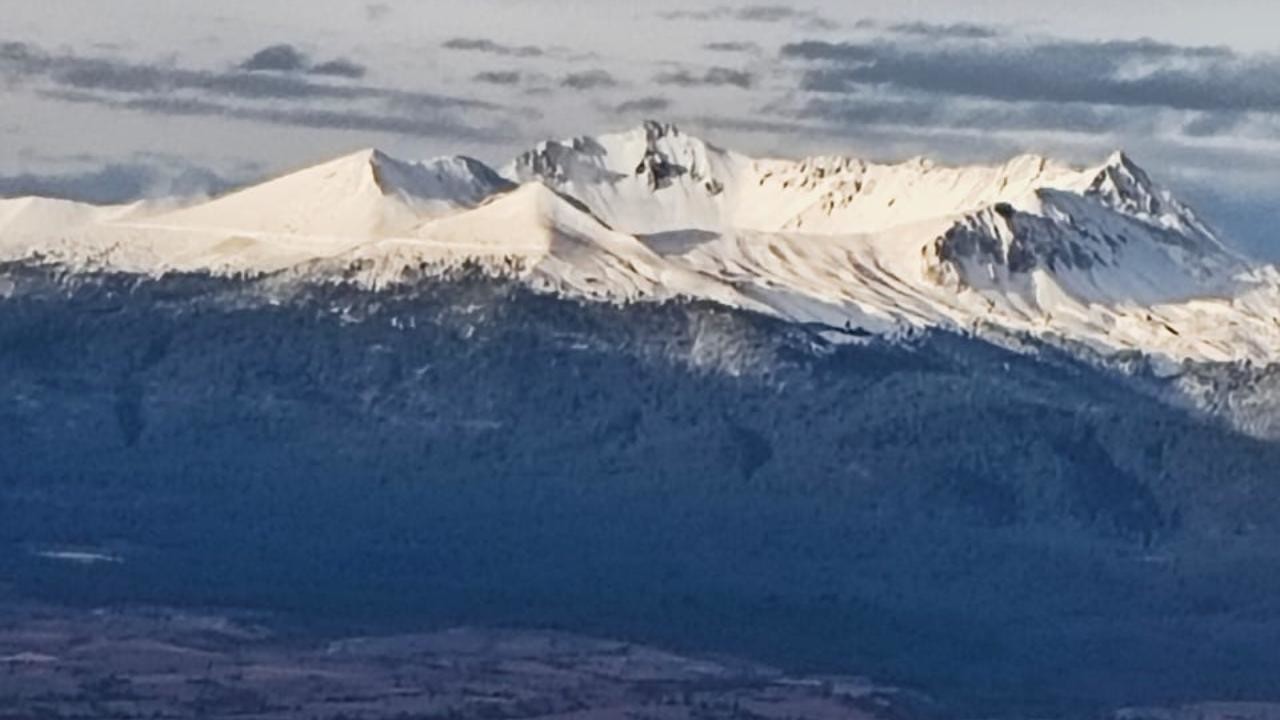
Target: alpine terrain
(1007,436)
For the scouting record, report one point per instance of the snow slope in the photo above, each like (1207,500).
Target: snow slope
(365,194)
(1100,255)
(37,215)
(561,245)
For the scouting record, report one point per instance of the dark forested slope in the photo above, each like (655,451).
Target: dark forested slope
(1005,530)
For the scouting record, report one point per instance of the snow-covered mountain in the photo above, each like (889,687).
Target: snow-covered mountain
(1100,255)
(365,194)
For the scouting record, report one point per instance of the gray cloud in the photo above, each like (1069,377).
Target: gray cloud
(491,47)
(1209,124)
(118,182)
(277,58)
(403,122)
(21,63)
(589,80)
(643,106)
(717,13)
(968,31)
(280,98)
(340,67)
(498,77)
(964,31)
(755,14)
(285,58)
(716,76)
(1118,92)
(732,47)
(924,112)
(767,13)
(376,11)
(1139,73)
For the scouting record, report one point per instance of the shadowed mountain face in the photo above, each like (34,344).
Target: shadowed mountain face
(1010,532)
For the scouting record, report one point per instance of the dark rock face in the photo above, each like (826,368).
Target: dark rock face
(1019,242)
(1009,532)
(659,170)
(556,162)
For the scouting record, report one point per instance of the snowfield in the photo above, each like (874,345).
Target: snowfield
(1101,255)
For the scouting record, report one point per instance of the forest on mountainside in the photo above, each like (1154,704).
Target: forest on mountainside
(1010,531)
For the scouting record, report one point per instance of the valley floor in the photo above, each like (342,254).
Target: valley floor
(59,663)
(159,663)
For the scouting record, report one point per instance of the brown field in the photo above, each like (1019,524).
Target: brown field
(156,663)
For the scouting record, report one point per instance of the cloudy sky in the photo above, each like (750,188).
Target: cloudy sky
(113,100)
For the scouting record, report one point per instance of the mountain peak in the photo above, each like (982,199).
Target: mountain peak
(369,154)
(1122,185)
(656,130)
(1126,177)
(441,178)
(357,160)
(1120,165)
(456,179)
(360,195)
(648,179)
(1120,158)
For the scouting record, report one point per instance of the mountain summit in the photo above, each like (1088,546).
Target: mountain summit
(1101,255)
(364,194)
